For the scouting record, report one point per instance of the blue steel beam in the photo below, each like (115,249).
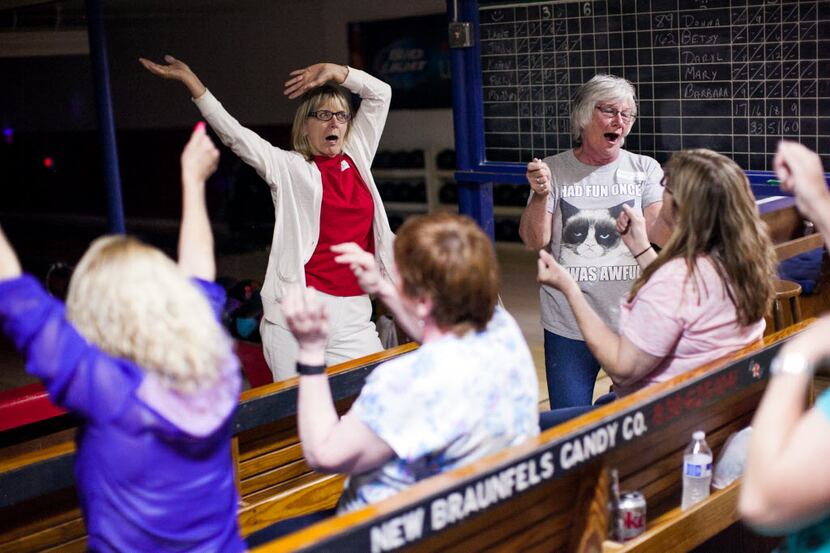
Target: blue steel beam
(103,108)
(475,198)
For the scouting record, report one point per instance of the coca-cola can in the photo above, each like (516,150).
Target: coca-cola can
(631,515)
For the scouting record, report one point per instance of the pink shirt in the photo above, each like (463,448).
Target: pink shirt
(685,326)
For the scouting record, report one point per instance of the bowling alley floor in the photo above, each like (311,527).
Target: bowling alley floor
(520,295)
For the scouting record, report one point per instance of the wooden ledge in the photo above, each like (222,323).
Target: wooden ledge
(680,530)
(27,459)
(797,246)
(642,414)
(646,394)
(371,360)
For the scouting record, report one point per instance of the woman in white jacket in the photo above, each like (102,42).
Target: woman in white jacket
(323,194)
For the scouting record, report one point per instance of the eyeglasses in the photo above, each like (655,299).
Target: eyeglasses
(610,113)
(326,115)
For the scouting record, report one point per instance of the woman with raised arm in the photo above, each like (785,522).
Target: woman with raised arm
(706,293)
(801,173)
(575,197)
(786,488)
(469,390)
(139,355)
(323,194)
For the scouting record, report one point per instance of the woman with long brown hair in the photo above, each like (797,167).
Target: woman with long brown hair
(703,296)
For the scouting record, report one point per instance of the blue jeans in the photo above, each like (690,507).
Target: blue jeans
(549,419)
(571,371)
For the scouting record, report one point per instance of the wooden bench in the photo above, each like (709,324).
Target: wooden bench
(786,228)
(39,508)
(550,493)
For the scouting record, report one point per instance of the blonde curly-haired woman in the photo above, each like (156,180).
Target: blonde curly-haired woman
(139,355)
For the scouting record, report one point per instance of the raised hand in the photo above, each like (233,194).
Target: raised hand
(308,322)
(362,264)
(800,171)
(9,264)
(538,176)
(552,273)
(175,70)
(200,158)
(631,225)
(303,80)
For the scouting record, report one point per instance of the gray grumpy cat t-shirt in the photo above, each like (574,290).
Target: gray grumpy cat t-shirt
(585,201)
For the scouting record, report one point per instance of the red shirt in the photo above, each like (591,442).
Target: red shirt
(345,216)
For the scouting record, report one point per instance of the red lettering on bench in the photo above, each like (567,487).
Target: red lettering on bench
(675,406)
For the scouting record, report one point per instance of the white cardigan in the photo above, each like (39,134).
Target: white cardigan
(297,187)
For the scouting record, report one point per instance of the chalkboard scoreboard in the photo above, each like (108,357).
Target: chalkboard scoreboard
(732,75)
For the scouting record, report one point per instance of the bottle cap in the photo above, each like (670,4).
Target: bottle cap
(698,435)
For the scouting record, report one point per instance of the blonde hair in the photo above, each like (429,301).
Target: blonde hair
(449,259)
(310,101)
(715,215)
(132,301)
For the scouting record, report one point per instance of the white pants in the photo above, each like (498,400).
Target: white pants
(352,334)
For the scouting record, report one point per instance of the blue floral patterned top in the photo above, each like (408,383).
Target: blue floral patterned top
(452,401)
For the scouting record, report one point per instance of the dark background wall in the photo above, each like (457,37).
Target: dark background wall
(243,50)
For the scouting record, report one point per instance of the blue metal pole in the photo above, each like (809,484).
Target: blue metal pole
(474,198)
(106,122)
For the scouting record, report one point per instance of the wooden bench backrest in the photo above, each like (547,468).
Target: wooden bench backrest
(786,228)
(39,507)
(550,493)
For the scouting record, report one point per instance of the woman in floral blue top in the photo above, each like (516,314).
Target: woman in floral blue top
(468,391)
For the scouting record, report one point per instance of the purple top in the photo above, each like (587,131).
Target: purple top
(147,481)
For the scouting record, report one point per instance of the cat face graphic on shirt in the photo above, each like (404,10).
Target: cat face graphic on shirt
(590,237)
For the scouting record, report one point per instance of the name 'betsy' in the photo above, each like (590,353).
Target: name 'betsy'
(443,511)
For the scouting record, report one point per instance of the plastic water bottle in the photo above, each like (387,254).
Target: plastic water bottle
(697,471)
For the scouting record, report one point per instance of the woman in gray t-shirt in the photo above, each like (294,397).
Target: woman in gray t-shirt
(576,197)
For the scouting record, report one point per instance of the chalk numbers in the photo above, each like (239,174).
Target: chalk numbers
(663,20)
(778,127)
(753,61)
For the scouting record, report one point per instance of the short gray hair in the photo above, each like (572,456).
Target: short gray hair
(601,88)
